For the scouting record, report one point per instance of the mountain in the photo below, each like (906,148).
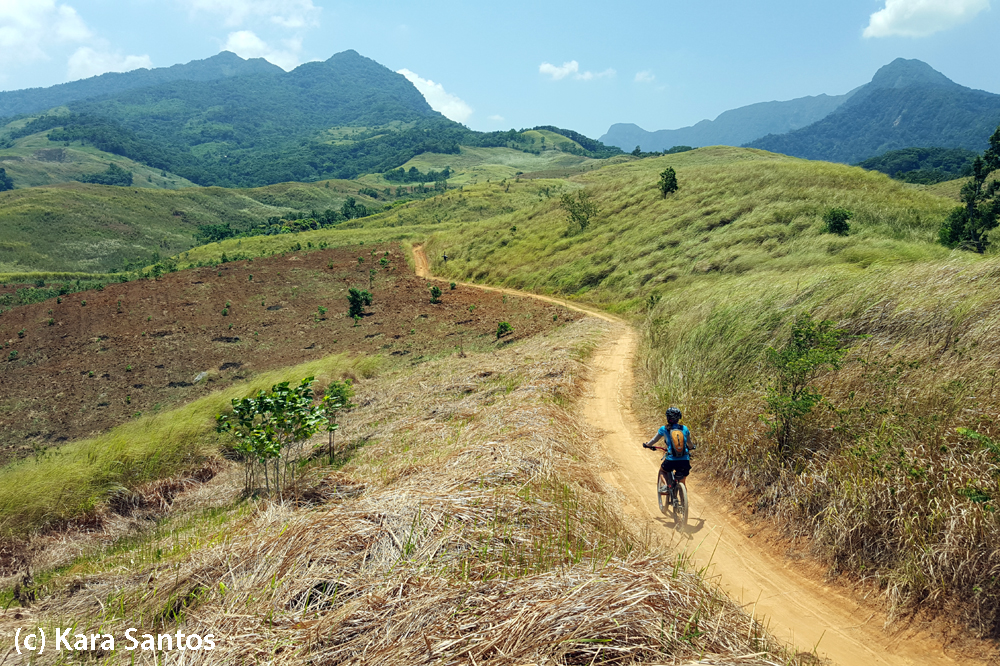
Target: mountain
(221,66)
(732,128)
(906,104)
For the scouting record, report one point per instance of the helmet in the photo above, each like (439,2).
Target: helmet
(673,415)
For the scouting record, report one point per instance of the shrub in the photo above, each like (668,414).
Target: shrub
(668,181)
(452,285)
(435,294)
(336,397)
(836,221)
(504,328)
(812,347)
(356,301)
(579,207)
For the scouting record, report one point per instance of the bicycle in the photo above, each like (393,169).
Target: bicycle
(675,498)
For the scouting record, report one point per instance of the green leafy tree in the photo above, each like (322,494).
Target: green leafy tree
(836,221)
(357,300)
(668,181)
(435,294)
(812,348)
(336,397)
(580,208)
(6,182)
(969,226)
(268,426)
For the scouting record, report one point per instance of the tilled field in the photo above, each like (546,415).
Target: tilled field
(98,358)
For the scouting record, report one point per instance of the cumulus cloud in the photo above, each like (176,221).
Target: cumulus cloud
(440,100)
(27,27)
(572,68)
(919,18)
(87,62)
(235,13)
(246,44)
(645,76)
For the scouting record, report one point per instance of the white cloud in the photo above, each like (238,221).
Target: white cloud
(286,13)
(441,101)
(645,76)
(27,27)
(246,44)
(87,62)
(572,68)
(496,117)
(919,18)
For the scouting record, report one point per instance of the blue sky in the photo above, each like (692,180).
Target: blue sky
(578,65)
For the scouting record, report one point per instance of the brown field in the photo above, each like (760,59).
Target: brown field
(143,346)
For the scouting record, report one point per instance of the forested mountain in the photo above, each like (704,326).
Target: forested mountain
(923,165)
(223,65)
(336,119)
(906,104)
(732,128)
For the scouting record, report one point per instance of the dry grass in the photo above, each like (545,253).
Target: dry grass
(466,528)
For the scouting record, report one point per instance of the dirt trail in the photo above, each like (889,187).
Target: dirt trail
(796,608)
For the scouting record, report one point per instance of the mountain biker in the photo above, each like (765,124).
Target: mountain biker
(678,456)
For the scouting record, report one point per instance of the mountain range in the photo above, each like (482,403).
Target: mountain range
(906,104)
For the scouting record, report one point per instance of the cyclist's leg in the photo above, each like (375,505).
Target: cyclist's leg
(682,468)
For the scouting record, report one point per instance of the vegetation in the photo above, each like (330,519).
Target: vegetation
(504,328)
(6,182)
(924,166)
(115,175)
(970,225)
(836,221)
(435,294)
(579,207)
(357,301)
(336,398)
(668,181)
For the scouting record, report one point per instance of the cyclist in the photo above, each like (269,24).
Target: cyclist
(677,438)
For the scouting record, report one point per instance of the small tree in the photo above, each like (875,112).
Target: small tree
(435,294)
(504,328)
(968,227)
(812,347)
(6,182)
(579,207)
(336,397)
(267,427)
(668,181)
(835,220)
(356,301)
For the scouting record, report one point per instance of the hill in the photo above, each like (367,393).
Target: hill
(731,128)
(906,104)
(925,166)
(220,66)
(340,119)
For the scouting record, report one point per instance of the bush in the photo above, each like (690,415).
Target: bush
(435,294)
(356,301)
(836,221)
(812,347)
(668,181)
(504,328)
(579,207)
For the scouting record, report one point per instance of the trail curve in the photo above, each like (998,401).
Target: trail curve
(797,608)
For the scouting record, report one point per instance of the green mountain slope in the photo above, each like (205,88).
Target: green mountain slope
(923,165)
(219,66)
(906,104)
(94,228)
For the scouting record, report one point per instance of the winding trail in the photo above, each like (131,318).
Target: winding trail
(796,607)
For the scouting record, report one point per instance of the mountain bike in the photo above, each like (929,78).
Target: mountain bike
(671,495)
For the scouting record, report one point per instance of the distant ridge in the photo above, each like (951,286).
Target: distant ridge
(732,128)
(907,104)
(220,66)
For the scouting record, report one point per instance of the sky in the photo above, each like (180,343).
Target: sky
(578,65)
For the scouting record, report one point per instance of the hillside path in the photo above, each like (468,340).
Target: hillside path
(797,608)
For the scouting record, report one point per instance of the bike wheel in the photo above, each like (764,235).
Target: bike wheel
(662,498)
(681,510)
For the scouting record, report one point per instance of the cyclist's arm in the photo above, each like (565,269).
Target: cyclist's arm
(659,436)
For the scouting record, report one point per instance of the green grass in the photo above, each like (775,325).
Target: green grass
(35,161)
(68,482)
(76,227)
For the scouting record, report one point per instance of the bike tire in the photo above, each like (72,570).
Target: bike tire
(681,510)
(662,498)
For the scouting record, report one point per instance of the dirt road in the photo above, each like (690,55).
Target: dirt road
(797,608)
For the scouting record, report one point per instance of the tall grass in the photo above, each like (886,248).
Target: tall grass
(73,480)
(714,274)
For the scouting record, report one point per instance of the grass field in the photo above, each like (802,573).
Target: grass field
(95,228)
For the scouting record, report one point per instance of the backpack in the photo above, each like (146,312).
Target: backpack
(678,447)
